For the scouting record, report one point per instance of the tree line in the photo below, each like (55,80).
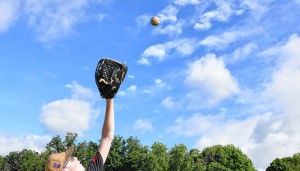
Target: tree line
(130,155)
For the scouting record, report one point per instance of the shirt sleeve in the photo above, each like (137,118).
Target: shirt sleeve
(96,164)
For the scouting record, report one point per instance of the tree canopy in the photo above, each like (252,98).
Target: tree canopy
(287,163)
(128,154)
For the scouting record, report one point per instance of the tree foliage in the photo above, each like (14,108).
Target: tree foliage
(135,155)
(130,155)
(285,164)
(84,151)
(158,158)
(116,157)
(228,156)
(2,163)
(179,159)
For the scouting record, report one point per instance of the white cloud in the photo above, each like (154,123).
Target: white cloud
(13,143)
(144,61)
(263,137)
(203,125)
(213,81)
(131,89)
(131,76)
(223,12)
(67,115)
(80,92)
(169,14)
(182,47)
(158,85)
(122,93)
(53,19)
(169,24)
(50,19)
(71,114)
(169,103)
(286,77)
(100,17)
(143,20)
(168,21)
(224,39)
(257,7)
(158,51)
(170,29)
(217,129)
(280,136)
(240,53)
(186,2)
(8,13)
(226,9)
(142,125)
(220,41)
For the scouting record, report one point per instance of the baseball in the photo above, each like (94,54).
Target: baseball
(155,21)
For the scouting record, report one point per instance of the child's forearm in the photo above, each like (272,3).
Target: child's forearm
(109,120)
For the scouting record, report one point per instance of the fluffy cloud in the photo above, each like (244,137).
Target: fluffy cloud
(169,14)
(169,103)
(240,53)
(158,84)
(170,29)
(186,2)
(129,90)
(131,76)
(132,88)
(67,115)
(264,136)
(257,7)
(32,142)
(72,114)
(142,125)
(8,13)
(218,129)
(222,40)
(168,19)
(209,76)
(183,47)
(143,20)
(80,92)
(52,19)
(223,12)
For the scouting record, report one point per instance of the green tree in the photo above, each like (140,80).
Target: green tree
(157,159)
(30,161)
(13,161)
(229,156)
(196,160)
(179,159)
(2,163)
(55,145)
(216,166)
(44,157)
(85,151)
(131,155)
(116,155)
(286,164)
(135,155)
(70,139)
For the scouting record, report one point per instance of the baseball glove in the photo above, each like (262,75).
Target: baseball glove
(109,76)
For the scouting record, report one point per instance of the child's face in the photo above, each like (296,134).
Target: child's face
(73,165)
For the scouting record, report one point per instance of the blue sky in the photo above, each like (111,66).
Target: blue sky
(213,72)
